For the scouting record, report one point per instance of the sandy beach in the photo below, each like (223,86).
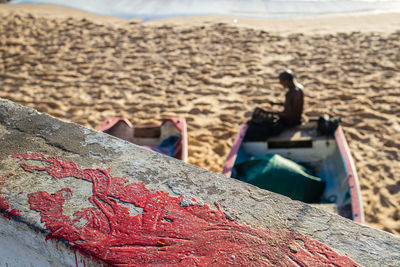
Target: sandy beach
(214,71)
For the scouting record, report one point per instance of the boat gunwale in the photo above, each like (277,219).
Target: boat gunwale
(352,177)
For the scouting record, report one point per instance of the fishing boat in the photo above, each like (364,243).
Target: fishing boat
(332,184)
(169,138)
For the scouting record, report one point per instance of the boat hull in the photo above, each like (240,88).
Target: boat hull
(331,154)
(151,136)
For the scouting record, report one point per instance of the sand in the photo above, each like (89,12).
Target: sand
(213,71)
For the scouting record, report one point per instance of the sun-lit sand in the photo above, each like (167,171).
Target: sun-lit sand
(214,71)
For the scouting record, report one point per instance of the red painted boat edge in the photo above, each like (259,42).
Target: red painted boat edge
(230,161)
(110,122)
(356,201)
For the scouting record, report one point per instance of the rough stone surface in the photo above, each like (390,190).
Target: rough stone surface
(24,130)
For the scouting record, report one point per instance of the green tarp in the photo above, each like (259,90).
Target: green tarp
(280,175)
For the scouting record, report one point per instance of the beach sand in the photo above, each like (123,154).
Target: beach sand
(213,71)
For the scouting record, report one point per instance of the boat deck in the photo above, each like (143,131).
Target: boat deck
(303,132)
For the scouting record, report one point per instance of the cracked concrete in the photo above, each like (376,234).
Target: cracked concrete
(25,130)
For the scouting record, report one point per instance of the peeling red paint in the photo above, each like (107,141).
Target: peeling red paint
(76,259)
(15,212)
(4,206)
(164,233)
(3,202)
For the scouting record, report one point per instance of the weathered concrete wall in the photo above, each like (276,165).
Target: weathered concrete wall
(23,130)
(22,245)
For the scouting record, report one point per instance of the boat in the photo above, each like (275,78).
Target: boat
(168,138)
(327,155)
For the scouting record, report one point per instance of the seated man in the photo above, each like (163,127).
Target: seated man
(265,124)
(294,99)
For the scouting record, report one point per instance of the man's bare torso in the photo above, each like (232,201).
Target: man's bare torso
(293,107)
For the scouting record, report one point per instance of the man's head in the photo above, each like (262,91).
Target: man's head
(286,78)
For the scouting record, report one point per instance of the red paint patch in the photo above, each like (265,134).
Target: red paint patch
(164,233)
(4,206)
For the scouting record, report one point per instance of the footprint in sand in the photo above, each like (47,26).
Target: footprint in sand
(220,149)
